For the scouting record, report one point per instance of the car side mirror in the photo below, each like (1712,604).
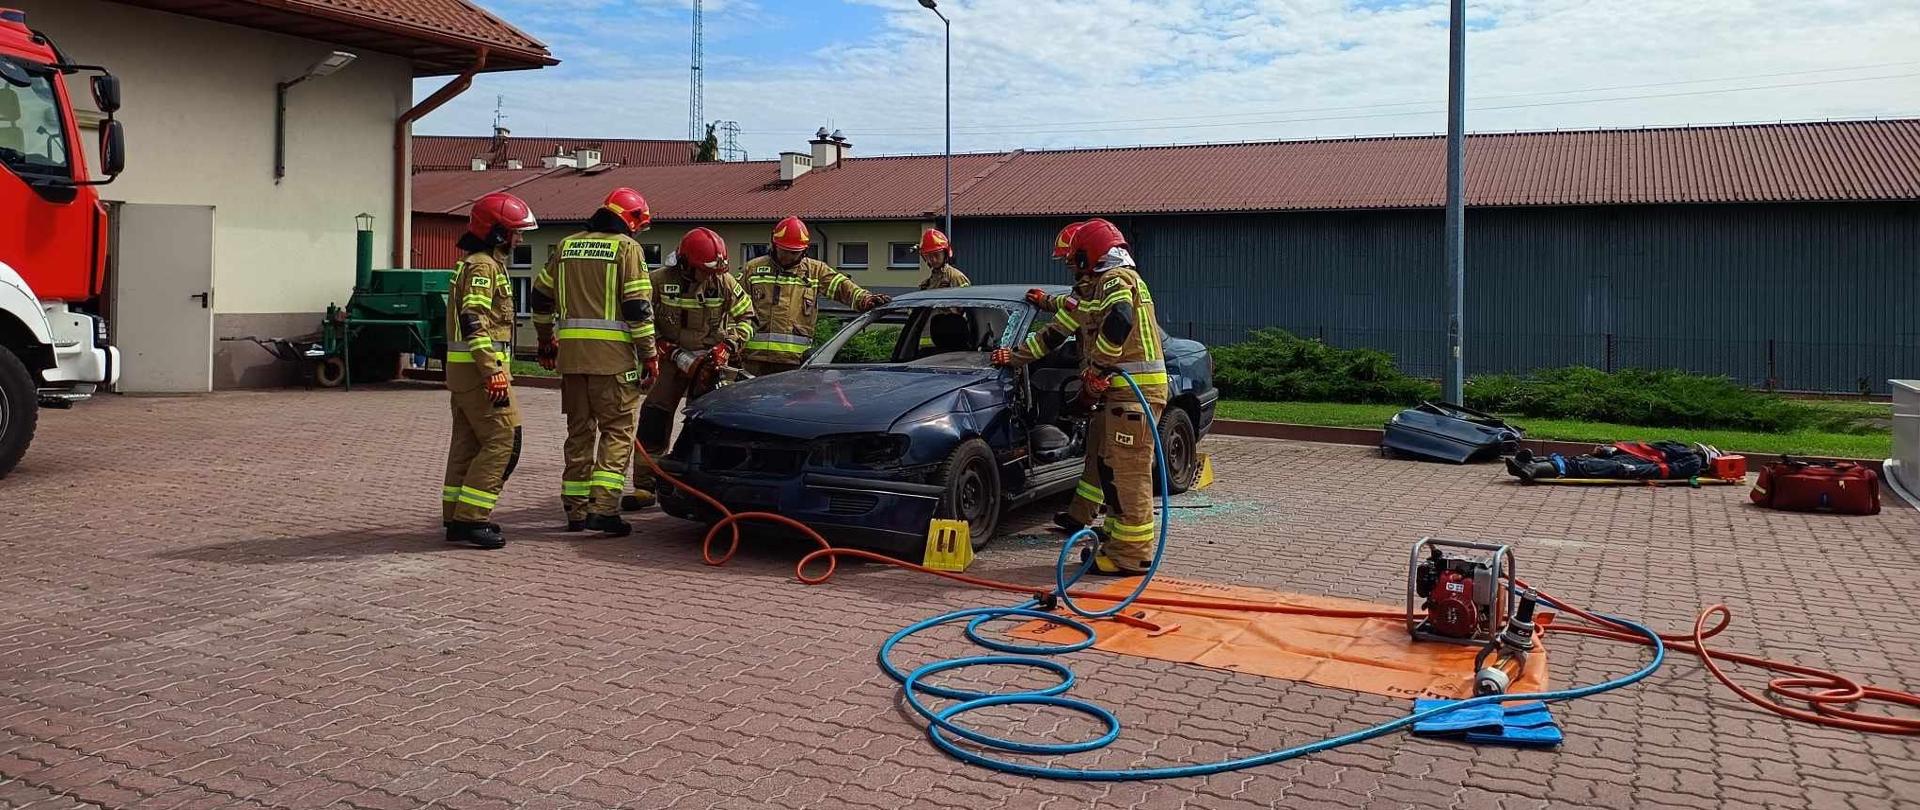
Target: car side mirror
(113,147)
(106,93)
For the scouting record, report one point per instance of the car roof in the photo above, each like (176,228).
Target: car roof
(983,292)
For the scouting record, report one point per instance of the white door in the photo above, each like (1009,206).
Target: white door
(163,297)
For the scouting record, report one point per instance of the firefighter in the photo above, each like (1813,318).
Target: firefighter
(596,286)
(702,312)
(1088,498)
(937,252)
(486,422)
(1118,314)
(785,287)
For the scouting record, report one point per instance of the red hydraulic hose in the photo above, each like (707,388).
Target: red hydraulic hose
(1827,692)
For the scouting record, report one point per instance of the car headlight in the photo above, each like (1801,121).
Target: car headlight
(866,451)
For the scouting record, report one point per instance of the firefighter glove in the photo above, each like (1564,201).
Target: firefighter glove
(548,354)
(871,300)
(1039,298)
(720,354)
(650,367)
(1002,356)
(499,386)
(1093,385)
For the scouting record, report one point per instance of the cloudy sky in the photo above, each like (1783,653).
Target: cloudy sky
(1039,73)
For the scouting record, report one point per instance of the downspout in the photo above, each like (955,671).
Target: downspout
(403,157)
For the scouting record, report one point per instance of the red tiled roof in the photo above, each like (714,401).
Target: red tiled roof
(1814,162)
(439,36)
(456,152)
(858,188)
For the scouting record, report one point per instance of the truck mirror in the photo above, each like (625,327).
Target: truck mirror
(113,147)
(106,93)
(13,73)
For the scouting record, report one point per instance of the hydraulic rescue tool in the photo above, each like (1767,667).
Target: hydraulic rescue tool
(1502,661)
(1461,595)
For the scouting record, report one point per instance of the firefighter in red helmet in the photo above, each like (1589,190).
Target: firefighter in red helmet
(785,287)
(486,422)
(595,289)
(704,318)
(937,252)
(1115,310)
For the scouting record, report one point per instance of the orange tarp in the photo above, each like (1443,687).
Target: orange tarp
(1362,655)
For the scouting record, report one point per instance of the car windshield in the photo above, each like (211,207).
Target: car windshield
(944,336)
(32,139)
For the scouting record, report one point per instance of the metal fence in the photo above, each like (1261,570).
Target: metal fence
(1771,364)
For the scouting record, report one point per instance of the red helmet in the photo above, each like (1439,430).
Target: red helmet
(496,214)
(1063,244)
(933,241)
(704,251)
(631,207)
(791,234)
(1091,242)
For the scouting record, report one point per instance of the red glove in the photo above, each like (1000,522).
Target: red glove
(499,387)
(1002,356)
(1039,298)
(650,368)
(1093,386)
(871,300)
(720,354)
(548,354)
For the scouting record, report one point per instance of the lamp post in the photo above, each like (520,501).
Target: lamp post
(325,67)
(1453,367)
(933,6)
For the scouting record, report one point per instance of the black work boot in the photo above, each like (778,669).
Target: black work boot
(637,500)
(479,535)
(576,525)
(609,525)
(452,538)
(1065,522)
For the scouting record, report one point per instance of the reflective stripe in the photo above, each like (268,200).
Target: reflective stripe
(1128,532)
(479,342)
(1115,298)
(592,323)
(1104,346)
(1035,347)
(594,329)
(1090,492)
(691,303)
(580,489)
(481,301)
(644,330)
(545,279)
(785,344)
(604,479)
(480,498)
(636,286)
(1066,319)
(449,494)
(547,318)
(741,307)
(792,340)
(459,357)
(1136,369)
(1151,378)
(765,277)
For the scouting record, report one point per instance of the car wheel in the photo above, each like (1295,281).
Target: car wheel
(19,410)
(1177,440)
(972,482)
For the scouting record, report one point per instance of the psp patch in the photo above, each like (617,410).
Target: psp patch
(1123,439)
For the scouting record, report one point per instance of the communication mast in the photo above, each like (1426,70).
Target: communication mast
(696,112)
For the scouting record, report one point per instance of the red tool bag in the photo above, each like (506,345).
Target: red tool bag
(1803,486)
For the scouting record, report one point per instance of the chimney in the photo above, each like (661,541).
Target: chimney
(843,149)
(500,135)
(586,158)
(794,164)
(558,159)
(825,152)
(478,164)
(514,163)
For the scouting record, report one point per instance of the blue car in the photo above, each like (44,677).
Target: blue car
(901,418)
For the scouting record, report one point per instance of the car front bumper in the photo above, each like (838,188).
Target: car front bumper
(889,516)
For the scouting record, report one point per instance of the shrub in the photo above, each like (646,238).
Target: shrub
(1666,398)
(1276,365)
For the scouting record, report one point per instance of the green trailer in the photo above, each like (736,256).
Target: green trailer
(392,314)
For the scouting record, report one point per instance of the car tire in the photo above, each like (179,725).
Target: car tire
(1181,445)
(971,479)
(330,372)
(19,410)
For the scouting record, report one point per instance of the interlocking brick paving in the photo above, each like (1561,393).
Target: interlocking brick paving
(243,600)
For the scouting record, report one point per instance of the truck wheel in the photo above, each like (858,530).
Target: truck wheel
(19,410)
(330,372)
(1177,440)
(972,481)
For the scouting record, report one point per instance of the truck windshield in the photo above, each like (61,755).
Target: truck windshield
(32,138)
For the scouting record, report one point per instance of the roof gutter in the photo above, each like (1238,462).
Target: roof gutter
(403,156)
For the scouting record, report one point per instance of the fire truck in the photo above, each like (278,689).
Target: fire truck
(54,349)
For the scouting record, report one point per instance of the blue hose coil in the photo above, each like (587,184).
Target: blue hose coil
(943,729)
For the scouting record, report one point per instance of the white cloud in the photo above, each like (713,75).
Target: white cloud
(1027,73)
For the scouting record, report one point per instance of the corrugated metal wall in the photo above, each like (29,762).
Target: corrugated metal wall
(1817,297)
(434,238)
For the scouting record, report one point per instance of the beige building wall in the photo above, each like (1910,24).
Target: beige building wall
(198,103)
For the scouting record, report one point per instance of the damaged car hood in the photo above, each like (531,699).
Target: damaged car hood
(809,402)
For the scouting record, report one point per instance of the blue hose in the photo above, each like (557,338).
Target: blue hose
(942,728)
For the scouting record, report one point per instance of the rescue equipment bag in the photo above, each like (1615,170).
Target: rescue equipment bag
(1841,487)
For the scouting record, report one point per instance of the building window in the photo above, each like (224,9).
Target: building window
(753,250)
(522,256)
(522,288)
(903,254)
(853,254)
(652,253)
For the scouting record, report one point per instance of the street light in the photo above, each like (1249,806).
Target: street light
(1453,366)
(933,6)
(327,66)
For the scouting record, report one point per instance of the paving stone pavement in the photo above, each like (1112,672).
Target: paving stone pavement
(243,600)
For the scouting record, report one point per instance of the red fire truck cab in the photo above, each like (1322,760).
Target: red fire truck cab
(53,235)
